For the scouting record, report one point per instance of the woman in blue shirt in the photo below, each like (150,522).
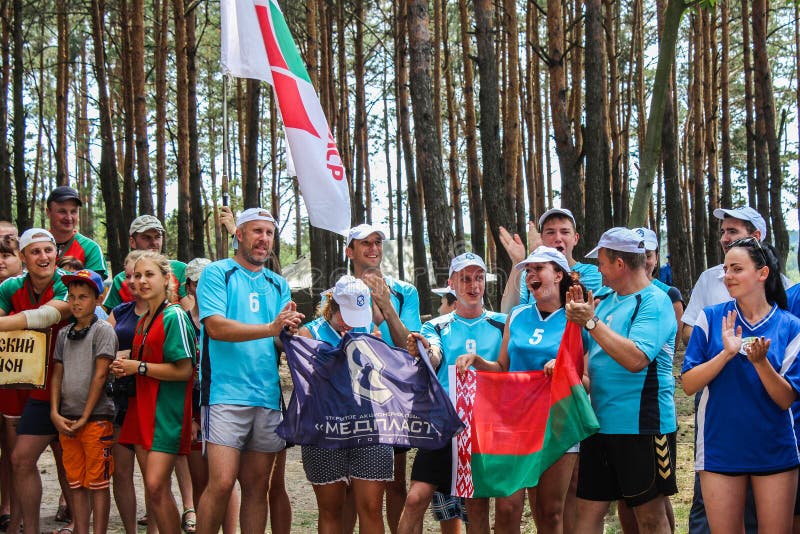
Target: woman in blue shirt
(531,339)
(742,357)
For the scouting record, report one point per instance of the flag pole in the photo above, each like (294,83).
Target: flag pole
(225,156)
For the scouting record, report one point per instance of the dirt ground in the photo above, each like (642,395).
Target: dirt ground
(304,509)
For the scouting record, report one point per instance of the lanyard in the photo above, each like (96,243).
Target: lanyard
(140,348)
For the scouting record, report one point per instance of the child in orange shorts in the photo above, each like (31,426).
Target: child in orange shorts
(80,409)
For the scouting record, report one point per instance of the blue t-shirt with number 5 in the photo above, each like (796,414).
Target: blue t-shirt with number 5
(533,339)
(243,373)
(456,335)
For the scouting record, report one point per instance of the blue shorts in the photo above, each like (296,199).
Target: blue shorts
(35,420)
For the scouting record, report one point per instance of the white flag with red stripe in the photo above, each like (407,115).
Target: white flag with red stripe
(256,43)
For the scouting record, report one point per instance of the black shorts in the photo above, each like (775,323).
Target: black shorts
(637,468)
(434,467)
(35,420)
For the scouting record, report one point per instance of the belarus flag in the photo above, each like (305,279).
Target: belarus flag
(518,424)
(256,43)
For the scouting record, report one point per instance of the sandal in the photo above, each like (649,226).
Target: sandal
(188,524)
(63,515)
(63,530)
(142,521)
(5,521)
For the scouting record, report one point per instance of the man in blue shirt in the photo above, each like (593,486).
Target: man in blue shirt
(395,312)
(557,230)
(630,338)
(243,307)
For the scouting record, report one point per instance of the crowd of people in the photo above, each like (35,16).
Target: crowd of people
(176,366)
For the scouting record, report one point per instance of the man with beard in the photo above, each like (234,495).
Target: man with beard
(243,307)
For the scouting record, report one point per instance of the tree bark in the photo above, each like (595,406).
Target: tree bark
(767,129)
(18,70)
(160,8)
(750,130)
(140,108)
(453,117)
(5,79)
(700,223)
(476,219)
(595,139)
(726,189)
(62,93)
(182,74)
(511,133)
(117,240)
(655,119)
(195,176)
(428,149)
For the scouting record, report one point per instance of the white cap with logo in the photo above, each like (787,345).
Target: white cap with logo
(619,239)
(648,236)
(353,297)
(544,254)
(363,231)
(744,213)
(462,261)
(35,235)
(561,212)
(255,214)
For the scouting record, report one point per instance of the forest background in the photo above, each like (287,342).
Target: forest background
(452,118)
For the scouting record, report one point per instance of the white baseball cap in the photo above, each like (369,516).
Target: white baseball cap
(744,213)
(363,231)
(619,239)
(544,254)
(442,291)
(649,237)
(255,214)
(564,212)
(35,235)
(352,296)
(462,261)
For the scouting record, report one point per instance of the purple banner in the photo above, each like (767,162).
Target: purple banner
(364,392)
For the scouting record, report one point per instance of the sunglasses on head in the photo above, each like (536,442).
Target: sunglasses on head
(750,242)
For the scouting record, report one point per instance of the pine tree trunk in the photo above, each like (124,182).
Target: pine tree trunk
(476,220)
(428,149)
(700,227)
(750,129)
(726,189)
(511,133)
(414,203)
(766,128)
(360,131)
(195,177)
(182,74)
(140,108)
(5,79)
(125,78)
(117,240)
(713,254)
(20,181)
(62,92)
(616,197)
(453,117)
(595,138)
(160,8)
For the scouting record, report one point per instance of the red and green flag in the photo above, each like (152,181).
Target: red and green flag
(256,43)
(518,424)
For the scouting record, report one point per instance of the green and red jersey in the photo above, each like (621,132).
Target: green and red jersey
(119,291)
(86,251)
(17,295)
(160,419)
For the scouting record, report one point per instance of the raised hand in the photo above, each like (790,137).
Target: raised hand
(757,350)
(513,245)
(731,335)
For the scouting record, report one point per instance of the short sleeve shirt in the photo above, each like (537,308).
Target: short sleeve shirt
(642,402)
(590,278)
(119,292)
(533,340)
(86,251)
(456,335)
(243,373)
(405,301)
(78,357)
(739,427)
(17,295)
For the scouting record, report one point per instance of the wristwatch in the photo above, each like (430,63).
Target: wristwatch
(590,324)
(143,367)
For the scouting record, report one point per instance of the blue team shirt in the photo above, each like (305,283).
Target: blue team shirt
(533,340)
(643,402)
(456,335)
(243,373)
(322,330)
(590,278)
(405,301)
(739,427)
